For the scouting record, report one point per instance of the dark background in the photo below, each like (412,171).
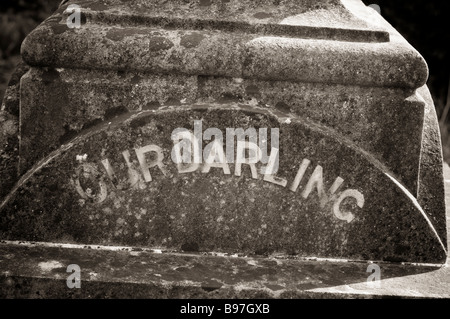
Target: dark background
(424,24)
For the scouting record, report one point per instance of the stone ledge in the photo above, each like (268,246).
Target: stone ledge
(328,55)
(310,19)
(39,270)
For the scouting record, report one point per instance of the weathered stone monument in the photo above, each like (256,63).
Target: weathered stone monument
(217,133)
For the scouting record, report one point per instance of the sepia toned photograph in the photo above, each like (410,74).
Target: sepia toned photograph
(224,154)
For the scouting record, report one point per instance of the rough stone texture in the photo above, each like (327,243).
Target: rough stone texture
(218,210)
(373,118)
(253,54)
(9,129)
(431,179)
(345,89)
(41,272)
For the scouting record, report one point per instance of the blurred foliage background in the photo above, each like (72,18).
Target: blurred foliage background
(423,23)
(17,19)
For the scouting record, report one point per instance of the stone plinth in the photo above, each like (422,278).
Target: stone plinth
(333,93)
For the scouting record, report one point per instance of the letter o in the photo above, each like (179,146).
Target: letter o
(90,172)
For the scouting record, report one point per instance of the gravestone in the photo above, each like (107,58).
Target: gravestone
(243,128)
